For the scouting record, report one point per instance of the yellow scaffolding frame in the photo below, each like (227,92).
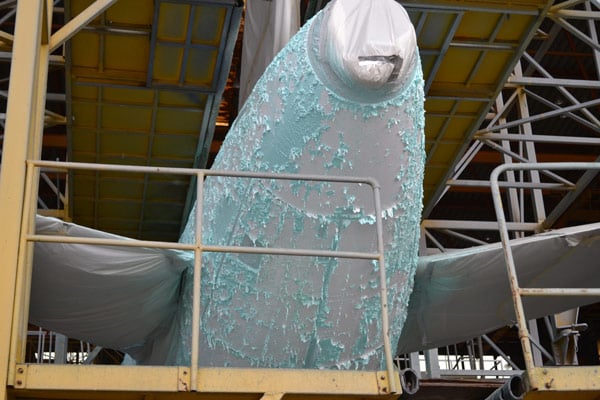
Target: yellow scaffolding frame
(22,140)
(95,381)
(125,382)
(542,382)
(190,378)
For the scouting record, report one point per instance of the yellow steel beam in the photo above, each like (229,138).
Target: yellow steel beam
(293,381)
(6,38)
(46,29)
(267,383)
(37,111)
(577,382)
(97,377)
(78,22)
(32,45)
(166,383)
(22,140)
(516,5)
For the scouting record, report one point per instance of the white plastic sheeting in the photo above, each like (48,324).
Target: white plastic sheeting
(117,297)
(125,298)
(268,26)
(458,296)
(369,43)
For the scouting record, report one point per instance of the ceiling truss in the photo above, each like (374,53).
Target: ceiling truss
(541,110)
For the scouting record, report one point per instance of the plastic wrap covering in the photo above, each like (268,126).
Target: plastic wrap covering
(117,297)
(313,112)
(268,26)
(461,295)
(368,53)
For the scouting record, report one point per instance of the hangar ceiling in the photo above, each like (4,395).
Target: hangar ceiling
(144,83)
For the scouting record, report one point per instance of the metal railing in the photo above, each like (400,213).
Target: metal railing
(516,291)
(468,360)
(48,347)
(34,168)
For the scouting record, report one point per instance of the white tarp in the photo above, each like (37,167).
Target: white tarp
(268,26)
(117,297)
(458,296)
(125,298)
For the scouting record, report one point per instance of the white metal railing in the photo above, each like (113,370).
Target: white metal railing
(462,360)
(53,348)
(516,291)
(34,168)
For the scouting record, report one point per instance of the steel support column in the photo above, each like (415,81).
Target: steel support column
(22,140)
(514,208)
(32,45)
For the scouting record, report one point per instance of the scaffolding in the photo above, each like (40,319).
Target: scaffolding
(41,379)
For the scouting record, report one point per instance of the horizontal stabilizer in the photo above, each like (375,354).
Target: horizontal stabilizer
(460,295)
